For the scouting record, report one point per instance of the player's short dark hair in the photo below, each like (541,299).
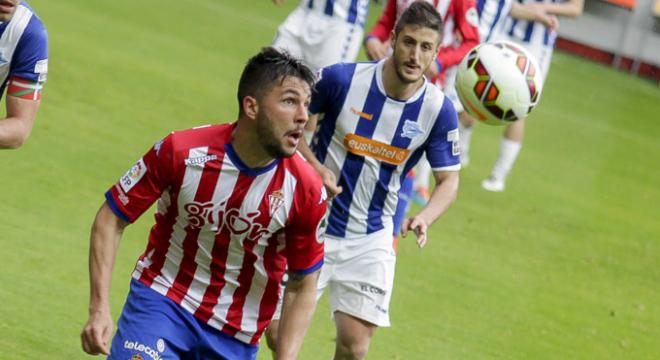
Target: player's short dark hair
(267,67)
(420,14)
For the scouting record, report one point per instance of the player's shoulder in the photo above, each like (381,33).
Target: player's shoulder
(341,73)
(204,135)
(35,27)
(306,176)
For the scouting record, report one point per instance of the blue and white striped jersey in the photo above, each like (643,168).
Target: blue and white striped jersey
(353,11)
(370,141)
(23,47)
(492,17)
(535,34)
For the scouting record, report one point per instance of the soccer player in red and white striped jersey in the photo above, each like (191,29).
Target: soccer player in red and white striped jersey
(236,205)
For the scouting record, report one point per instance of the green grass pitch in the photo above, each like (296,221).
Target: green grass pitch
(563,265)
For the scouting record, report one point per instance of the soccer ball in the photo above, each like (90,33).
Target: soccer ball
(499,83)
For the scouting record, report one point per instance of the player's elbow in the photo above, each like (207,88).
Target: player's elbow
(15,141)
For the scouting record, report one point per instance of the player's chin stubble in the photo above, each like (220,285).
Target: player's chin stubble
(269,140)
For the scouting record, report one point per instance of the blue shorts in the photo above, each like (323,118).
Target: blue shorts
(153,327)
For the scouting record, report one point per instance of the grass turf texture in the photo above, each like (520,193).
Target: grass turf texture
(564,264)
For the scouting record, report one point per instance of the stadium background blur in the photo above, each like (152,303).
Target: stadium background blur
(563,265)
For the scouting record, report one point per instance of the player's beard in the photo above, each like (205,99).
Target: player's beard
(270,141)
(399,73)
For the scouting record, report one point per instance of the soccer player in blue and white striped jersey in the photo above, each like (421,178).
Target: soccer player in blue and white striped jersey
(323,32)
(531,24)
(379,119)
(23,69)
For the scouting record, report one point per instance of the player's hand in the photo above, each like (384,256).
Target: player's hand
(375,49)
(550,21)
(417,225)
(95,336)
(330,182)
(432,71)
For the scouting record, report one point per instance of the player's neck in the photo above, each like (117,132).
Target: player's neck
(248,148)
(394,86)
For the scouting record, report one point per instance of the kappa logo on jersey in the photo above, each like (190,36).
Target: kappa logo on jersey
(360,145)
(133,176)
(134,345)
(275,201)
(203,214)
(361,114)
(200,160)
(122,196)
(411,129)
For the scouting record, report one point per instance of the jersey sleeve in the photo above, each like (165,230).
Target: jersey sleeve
(385,22)
(30,60)
(466,20)
(143,183)
(304,242)
(329,86)
(442,149)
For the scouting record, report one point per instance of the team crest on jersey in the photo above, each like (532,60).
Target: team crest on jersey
(472,17)
(411,129)
(321,228)
(133,176)
(275,201)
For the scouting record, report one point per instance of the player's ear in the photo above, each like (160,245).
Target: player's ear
(250,107)
(392,39)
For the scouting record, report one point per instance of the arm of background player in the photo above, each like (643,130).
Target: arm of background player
(385,23)
(104,241)
(466,20)
(443,195)
(328,177)
(374,43)
(570,8)
(297,311)
(533,12)
(16,128)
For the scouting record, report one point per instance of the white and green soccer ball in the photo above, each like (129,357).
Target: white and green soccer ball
(499,82)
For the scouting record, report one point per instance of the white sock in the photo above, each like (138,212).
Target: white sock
(464,138)
(422,174)
(508,153)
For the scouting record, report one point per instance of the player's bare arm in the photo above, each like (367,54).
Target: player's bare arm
(443,195)
(534,12)
(297,311)
(329,179)
(106,234)
(23,99)
(570,8)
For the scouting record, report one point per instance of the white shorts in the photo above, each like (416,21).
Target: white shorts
(319,40)
(360,276)
(450,88)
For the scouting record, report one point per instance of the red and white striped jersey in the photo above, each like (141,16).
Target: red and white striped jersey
(224,233)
